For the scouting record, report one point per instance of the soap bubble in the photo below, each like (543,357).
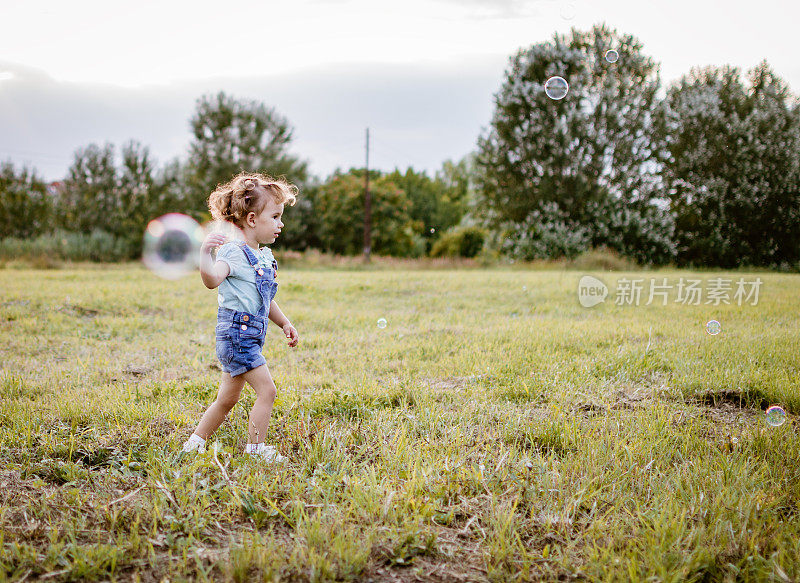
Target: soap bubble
(226,228)
(568,11)
(775,416)
(556,88)
(612,56)
(382,323)
(172,245)
(433,230)
(713,327)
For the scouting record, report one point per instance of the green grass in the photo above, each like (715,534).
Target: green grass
(487,433)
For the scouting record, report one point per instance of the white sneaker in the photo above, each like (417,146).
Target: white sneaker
(269,454)
(189,446)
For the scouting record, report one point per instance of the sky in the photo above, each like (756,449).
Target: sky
(420,75)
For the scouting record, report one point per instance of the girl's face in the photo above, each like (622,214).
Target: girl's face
(267,225)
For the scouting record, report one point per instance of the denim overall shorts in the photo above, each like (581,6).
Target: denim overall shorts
(240,335)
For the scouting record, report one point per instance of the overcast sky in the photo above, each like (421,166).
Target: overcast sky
(420,75)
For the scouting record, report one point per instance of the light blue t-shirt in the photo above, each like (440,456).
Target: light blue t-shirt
(238,291)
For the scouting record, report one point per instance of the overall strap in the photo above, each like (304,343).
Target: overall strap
(251,257)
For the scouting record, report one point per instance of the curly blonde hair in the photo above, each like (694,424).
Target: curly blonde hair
(247,192)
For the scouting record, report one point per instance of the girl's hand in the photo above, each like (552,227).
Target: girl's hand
(212,240)
(291,334)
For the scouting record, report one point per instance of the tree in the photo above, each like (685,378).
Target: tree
(340,209)
(551,169)
(435,205)
(302,223)
(169,192)
(98,194)
(732,167)
(25,205)
(458,179)
(136,192)
(89,198)
(230,136)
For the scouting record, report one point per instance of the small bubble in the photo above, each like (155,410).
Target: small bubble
(556,88)
(568,11)
(713,327)
(433,230)
(612,56)
(775,416)
(382,323)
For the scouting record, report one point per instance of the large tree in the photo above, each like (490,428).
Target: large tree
(232,135)
(732,167)
(559,176)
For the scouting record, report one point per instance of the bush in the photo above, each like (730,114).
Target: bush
(459,242)
(546,233)
(62,245)
(603,258)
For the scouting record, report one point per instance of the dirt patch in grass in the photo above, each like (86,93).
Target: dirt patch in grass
(161,427)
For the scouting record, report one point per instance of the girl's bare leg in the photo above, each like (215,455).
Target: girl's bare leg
(261,381)
(229,390)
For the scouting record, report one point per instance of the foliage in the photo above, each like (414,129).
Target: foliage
(119,200)
(302,222)
(49,248)
(732,167)
(232,135)
(436,203)
(26,208)
(710,175)
(340,210)
(547,168)
(459,242)
(89,197)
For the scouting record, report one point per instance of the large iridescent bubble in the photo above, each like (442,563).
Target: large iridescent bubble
(172,245)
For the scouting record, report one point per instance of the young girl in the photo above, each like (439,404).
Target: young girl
(246,276)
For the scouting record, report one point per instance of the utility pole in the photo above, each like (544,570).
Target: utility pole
(367,209)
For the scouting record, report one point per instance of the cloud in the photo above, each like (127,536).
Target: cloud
(502,8)
(418,115)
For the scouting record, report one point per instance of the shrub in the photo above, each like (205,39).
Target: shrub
(603,258)
(459,242)
(94,246)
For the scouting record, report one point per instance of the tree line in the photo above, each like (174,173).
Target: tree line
(703,173)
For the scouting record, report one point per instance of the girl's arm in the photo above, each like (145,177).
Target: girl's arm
(277,316)
(279,319)
(212,273)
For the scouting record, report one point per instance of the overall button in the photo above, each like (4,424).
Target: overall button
(245,317)
(244,326)
(260,272)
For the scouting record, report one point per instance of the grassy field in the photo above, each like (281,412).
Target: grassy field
(495,430)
